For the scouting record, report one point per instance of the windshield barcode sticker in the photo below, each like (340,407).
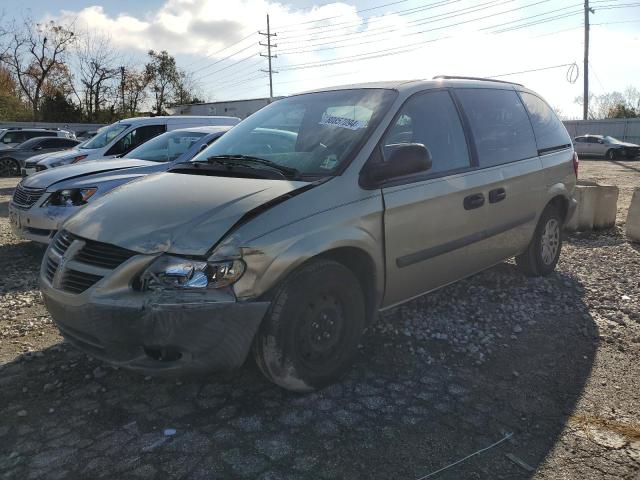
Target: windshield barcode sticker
(342,122)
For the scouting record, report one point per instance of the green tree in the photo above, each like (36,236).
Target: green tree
(163,75)
(620,110)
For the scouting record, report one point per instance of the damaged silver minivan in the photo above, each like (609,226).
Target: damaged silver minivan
(288,235)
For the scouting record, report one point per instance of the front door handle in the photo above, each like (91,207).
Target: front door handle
(473,201)
(497,195)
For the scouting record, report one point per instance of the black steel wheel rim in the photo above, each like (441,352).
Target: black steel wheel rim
(320,333)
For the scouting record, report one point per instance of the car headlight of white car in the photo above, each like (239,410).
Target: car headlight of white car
(173,272)
(71,197)
(67,161)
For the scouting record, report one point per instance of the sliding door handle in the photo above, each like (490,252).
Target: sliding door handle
(473,201)
(497,195)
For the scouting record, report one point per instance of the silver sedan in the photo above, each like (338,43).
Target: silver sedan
(605,146)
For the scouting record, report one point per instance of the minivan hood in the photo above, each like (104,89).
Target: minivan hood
(46,178)
(174,212)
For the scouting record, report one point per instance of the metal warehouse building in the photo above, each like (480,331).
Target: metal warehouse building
(625,129)
(233,108)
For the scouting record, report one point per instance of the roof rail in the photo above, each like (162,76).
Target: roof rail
(456,77)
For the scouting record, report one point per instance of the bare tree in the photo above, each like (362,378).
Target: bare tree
(186,89)
(34,51)
(612,103)
(96,67)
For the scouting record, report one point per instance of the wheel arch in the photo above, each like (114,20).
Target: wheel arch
(351,247)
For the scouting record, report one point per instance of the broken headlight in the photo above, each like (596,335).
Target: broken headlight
(72,197)
(183,273)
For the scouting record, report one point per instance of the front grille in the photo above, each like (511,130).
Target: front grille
(77,282)
(79,264)
(61,242)
(50,269)
(103,255)
(26,197)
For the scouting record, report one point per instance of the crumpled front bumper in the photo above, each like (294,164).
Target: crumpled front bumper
(38,223)
(172,333)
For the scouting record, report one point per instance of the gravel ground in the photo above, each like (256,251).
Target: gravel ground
(554,361)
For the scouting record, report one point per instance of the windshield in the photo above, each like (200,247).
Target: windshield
(104,137)
(314,133)
(166,147)
(609,139)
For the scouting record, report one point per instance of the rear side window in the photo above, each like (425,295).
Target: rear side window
(136,137)
(432,120)
(549,130)
(14,136)
(36,134)
(57,142)
(500,125)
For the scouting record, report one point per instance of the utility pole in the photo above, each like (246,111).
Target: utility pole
(122,88)
(269,56)
(585,93)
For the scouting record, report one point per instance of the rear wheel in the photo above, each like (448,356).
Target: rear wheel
(543,252)
(311,332)
(9,167)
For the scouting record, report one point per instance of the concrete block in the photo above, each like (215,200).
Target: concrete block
(597,207)
(633,217)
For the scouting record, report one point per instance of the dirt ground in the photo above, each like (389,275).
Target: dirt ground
(550,364)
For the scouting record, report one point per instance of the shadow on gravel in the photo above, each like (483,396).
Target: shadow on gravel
(7,191)
(4,209)
(19,266)
(397,414)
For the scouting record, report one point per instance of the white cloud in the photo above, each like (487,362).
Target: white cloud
(193,29)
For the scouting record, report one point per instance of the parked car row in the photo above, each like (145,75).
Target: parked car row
(285,236)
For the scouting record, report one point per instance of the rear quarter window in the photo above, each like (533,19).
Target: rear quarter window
(549,130)
(500,125)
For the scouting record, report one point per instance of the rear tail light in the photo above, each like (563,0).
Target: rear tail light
(576,163)
(78,158)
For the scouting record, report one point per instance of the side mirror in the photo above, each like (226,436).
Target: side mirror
(403,159)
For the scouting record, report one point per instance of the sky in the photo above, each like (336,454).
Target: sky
(339,42)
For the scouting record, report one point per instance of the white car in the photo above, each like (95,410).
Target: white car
(121,137)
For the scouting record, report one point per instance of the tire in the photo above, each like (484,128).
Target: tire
(9,167)
(310,334)
(542,254)
(611,154)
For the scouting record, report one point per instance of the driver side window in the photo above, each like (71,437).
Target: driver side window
(431,119)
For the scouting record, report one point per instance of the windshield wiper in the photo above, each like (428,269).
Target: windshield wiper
(288,172)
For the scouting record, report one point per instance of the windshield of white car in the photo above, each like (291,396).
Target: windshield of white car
(609,139)
(104,137)
(316,133)
(166,147)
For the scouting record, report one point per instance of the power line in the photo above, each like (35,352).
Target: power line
(370,19)
(531,71)
(338,16)
(223,59)
(227,67)
(416,22)
(291,52)
(223,49)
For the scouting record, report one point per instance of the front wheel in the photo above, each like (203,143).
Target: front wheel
(611,154)
(311,332)
(543,252)
(9,167)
